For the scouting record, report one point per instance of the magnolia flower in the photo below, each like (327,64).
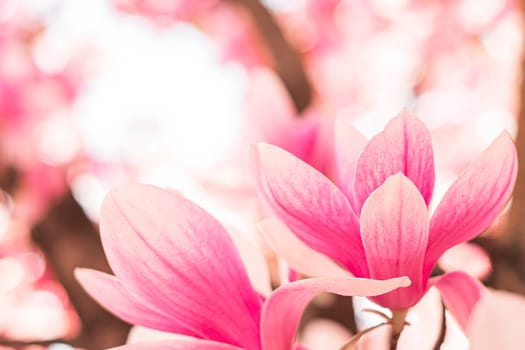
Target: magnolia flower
(177,270)
(376,222)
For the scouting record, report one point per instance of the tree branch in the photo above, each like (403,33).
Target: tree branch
(288,62)
(515,233)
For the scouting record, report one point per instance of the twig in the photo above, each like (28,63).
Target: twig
(398,323)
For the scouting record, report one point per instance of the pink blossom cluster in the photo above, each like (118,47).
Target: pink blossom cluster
(371,233)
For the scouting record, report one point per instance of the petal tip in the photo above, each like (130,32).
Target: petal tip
(505,140)
(406,115)
(405,281)
(82,274)
(259,151)
(123,192)
(398,179)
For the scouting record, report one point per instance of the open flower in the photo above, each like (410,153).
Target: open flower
(177,270)
(376,223)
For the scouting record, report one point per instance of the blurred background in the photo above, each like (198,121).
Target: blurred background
(173,92)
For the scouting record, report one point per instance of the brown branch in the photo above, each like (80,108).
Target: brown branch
(508,264)
(9,179)
(443,329)
(288,62)
(341,311)
(69,240)
(516,225)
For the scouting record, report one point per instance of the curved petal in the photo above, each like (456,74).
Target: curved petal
(394,228)
(139,334)
(474,200)
(322,334)
(404,146)
(313,208)
(109,292)
(179,344)
(254,262)
(284,308)
(298,255)
(467,257)
(461,293)
(349,144)
(177,258)
(273,118)
(267,101)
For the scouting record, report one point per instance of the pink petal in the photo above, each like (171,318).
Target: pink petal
(109,292)
(267,101)
(394,228)
(179,344)
(467,257)
(254,262)
(313,208)
(298,255)
(474,200)
(284,308)
(139,334)
(349,144)
(460,293)
(497,322)
(322,334)
(177,258)
(378,339)
(425,323)
(322,156)
(404,146)
(273,117)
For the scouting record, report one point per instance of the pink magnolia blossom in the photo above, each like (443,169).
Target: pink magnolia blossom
(376,222)
(177,270)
